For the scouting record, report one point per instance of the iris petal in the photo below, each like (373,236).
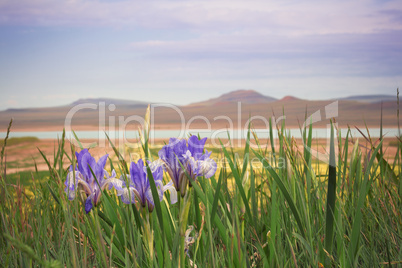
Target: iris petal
(196,146)
(180,158)
(127,196)
(99,168)
(71,184)
(139,186)
(208,168)
(173,193)
(88,205)
(82,178)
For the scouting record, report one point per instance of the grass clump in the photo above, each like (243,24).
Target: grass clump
(303,214)
(396,142)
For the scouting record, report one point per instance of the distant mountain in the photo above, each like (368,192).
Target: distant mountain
(370,98)
(289,98)
(51,118)
(244,96)
(97,101)
(107,101)
(354,110)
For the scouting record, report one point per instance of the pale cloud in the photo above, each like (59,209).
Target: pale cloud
(158,50)
(332,54)
(12,102)
(275,17)
(71,96)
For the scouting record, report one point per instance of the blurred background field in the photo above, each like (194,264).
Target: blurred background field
(24,161)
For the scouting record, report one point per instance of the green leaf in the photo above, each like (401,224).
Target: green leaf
(216,196)
(284,191)
(331,198)
(353,247)
(238,181)
(155,196)
(53,194)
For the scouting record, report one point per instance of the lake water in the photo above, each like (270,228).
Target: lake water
(211,134)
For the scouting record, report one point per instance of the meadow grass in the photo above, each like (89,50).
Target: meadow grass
(303,214)
(18,140)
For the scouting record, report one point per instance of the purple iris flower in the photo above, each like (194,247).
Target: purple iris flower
(139,187)
(81,178)
(196,163)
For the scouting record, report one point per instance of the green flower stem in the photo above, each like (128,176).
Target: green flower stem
(185,203)
(149,235)
(95,222)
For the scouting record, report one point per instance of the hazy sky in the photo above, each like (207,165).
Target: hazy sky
(53,52)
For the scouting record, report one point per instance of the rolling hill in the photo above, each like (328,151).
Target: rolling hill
(220,112)
(244,96)
(371,98)
(108,101)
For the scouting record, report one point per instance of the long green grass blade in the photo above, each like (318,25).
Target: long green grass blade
(238,180)
(284,191)
(331,197)
(355,235)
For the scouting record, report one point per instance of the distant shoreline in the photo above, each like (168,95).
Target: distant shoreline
(176,127)
(130,135)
